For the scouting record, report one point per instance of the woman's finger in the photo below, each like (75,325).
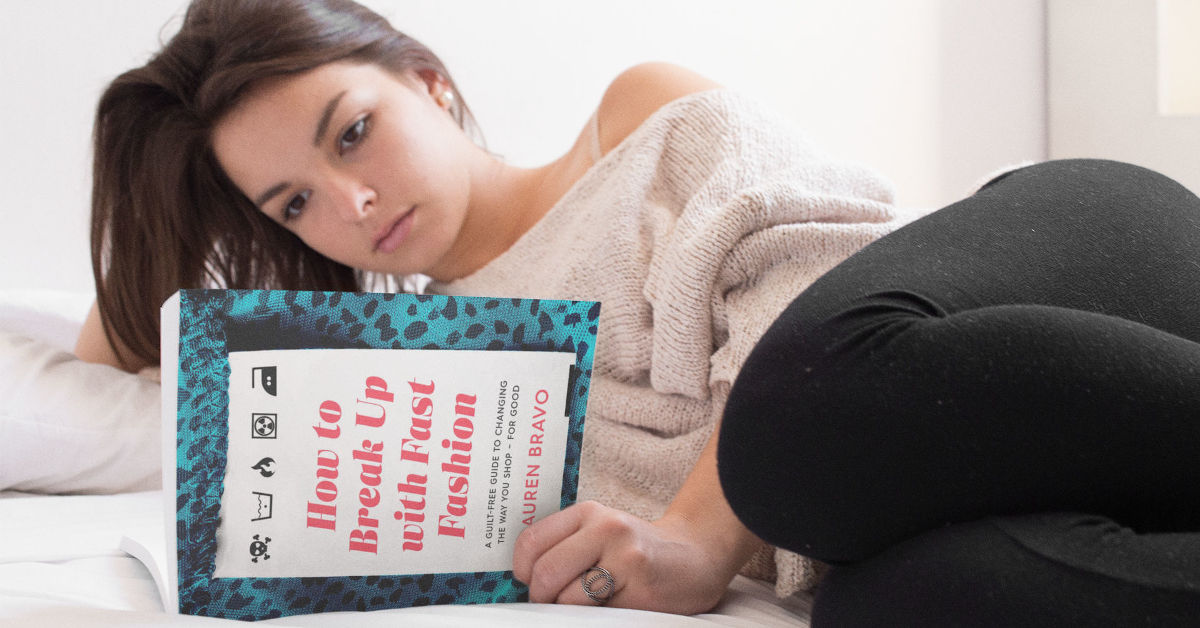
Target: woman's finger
(603,584)
(543,535)
(610,546)
(556,568)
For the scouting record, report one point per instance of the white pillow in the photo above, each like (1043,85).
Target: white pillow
(52,316)
(67,426)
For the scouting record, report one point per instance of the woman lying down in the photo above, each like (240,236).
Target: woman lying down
(986,417)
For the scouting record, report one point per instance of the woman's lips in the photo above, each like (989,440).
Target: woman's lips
(393,236)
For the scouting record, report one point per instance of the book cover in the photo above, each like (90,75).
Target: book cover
(354,451)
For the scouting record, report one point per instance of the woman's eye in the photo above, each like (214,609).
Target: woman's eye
(295,206)
(353,135)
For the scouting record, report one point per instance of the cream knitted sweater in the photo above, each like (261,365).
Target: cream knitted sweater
(694,233)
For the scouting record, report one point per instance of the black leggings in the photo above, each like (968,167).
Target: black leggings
(992,415)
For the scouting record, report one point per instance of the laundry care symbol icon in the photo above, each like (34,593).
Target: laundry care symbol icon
(265,467)
(265,506)
(259,549)
(262,425)
(265,377)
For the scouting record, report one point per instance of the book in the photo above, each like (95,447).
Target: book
(330,451)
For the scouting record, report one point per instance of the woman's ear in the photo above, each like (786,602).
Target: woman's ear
(435,83)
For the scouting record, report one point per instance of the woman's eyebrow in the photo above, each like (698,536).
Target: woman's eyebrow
(266,196)
(323,124)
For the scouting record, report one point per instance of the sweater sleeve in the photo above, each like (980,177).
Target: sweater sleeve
(764,219)
(762,213)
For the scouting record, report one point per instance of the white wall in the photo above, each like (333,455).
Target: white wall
(1104,92)
(56,56)
(933,93)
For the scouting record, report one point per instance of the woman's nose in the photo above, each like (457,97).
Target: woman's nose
(354,200)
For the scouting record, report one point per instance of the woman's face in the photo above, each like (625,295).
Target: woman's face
(365,168)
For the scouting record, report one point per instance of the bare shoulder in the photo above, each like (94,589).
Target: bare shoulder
(636,93)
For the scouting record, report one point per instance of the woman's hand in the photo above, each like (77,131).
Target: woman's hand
(681,563)
(669,565)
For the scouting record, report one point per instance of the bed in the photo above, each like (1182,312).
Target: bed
(78,470)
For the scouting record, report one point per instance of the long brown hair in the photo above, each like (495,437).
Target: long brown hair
(164,214)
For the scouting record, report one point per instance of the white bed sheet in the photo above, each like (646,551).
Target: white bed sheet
(60,565)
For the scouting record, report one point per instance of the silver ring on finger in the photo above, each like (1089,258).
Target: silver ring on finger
(598,594)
